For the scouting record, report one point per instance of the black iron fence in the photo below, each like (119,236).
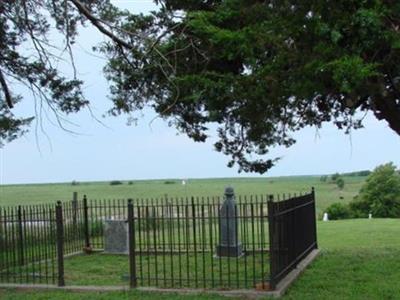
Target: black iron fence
(293,234)
(172,242)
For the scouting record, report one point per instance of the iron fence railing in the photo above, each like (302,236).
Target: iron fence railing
(172,241)
(293,235)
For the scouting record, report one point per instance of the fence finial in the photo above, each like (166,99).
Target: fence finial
(271,198)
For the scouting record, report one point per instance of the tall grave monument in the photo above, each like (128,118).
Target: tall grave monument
(229,244)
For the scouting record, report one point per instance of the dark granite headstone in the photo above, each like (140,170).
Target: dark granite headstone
(229,244)
(116,237)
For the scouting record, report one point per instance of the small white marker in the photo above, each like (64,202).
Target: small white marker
(370,216)
(183,182)
(325,218)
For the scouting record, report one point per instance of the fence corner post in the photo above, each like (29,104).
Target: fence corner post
(315,217)
(271,226)
(60,243)
(131,248)
(86,222)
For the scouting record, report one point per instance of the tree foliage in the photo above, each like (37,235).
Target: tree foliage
(28,57)
(335,176)
(259,70)
(340,183)
(338,211)
(380,195)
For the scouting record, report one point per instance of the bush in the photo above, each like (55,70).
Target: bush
(338,211)
(169,182)
(323,178)
(335,176)
(340,183)
(380,195)
(130,182)
(74,182)
(116,182)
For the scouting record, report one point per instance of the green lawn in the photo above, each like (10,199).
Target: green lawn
(326,192)
(169,271)
(360,259)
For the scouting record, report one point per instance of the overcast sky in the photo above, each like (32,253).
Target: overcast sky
(152,150)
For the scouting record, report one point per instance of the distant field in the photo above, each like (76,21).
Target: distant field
(327,192)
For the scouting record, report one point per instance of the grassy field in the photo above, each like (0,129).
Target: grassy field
(359,260)
(327,192)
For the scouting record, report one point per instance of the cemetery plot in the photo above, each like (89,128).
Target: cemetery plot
(211,243)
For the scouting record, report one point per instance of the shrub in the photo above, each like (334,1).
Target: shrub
(359,208)
(116,182)
(74,182)
(323,178)
(337,211)
(380,195)
(340,183)
(335,176)
(169,182)
(130,182)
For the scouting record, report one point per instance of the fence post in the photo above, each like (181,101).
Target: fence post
(74,207)
(60,243)
(132,252)
(86,222)
(271,226)
(20,237)
(314,217)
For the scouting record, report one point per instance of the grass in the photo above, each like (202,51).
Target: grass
(359,260)
(327,192)
(164,271)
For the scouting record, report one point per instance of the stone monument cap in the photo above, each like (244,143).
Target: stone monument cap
(229,191)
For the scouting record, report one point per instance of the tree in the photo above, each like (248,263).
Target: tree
(260,70)
(380,195)
(335,176)
(323,178)
(340,183)
(26,24)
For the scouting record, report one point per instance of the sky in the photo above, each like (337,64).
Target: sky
(108,149)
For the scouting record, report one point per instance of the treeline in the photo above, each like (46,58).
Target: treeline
(379,196)
(358,173)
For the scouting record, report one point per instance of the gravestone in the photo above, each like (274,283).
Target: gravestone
(116,237)
(229,244)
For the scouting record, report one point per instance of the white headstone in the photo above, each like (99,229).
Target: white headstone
(183,182)
(325,218)
(369,216)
